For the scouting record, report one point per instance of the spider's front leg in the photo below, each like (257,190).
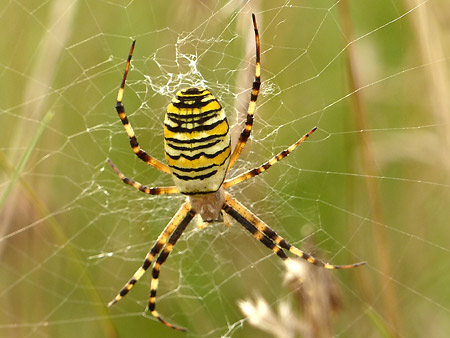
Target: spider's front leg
(181,218)
(270,238)
(160,261)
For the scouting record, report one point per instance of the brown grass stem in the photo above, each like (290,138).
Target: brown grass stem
(368,162)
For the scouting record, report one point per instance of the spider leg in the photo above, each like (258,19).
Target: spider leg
(245,134)
(271,239)
(139,186)
(250,225)
(123,117)
(256,171)
(178,219)
(181,226)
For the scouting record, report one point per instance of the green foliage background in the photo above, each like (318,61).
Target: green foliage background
(372,183)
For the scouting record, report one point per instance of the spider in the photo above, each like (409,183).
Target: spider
(199,156)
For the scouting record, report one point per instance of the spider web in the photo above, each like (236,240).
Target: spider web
(372,183)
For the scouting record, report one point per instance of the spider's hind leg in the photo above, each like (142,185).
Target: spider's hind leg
(120,108)
(245,134)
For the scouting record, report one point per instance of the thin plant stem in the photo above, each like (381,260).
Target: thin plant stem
(368,162)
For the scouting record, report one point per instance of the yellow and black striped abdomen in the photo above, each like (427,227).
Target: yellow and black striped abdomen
(196,141)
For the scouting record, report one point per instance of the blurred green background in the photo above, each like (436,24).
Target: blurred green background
(372,184)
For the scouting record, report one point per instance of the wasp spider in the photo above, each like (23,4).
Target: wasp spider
(199,156)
